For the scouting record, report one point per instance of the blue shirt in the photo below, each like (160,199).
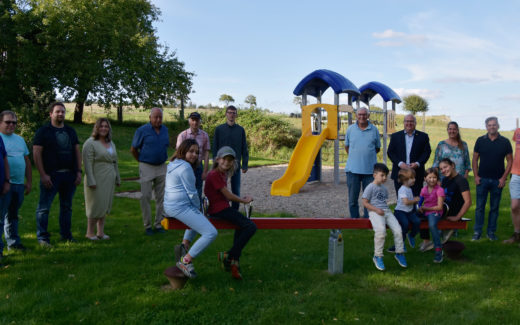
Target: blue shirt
(362,145)
(16,152)
(153,147)
(3,153)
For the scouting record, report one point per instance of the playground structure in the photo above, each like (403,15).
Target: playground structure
(305,162)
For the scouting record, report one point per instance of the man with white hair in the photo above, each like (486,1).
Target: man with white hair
(362,144)
(150,149)
(490,176)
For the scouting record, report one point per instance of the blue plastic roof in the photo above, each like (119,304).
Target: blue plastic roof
(318,81)
(369,90)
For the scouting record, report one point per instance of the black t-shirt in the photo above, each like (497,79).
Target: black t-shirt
(58,147)
(491,155)
(453,188)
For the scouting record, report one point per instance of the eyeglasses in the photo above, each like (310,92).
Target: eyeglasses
(231,113)
(10,122)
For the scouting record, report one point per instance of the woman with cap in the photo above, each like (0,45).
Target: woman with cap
(181,201)
(219,198)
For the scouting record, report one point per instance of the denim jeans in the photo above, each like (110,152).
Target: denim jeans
(246,230)
(354,184)
(235,187)
(407,218)
(198,180)
(433,220)
(3,207)
(487,185)
(63,184)
(14,200)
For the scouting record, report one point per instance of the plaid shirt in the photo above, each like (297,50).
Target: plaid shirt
(201,137)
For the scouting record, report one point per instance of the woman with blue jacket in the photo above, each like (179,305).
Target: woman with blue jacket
(181,201)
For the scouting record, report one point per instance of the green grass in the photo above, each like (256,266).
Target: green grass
(286,282)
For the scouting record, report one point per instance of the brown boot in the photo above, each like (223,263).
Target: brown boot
(514,239)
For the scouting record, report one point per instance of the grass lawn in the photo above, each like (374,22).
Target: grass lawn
(285,279)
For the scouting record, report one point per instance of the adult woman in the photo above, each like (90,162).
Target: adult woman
(101,176)
(455,149)
(181,201)
(456,189)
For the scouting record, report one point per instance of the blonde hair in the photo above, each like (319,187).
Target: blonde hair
(97,125)
(405,174)
(231,170)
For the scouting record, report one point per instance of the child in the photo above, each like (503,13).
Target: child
(404,212)
(181,201)
(219,197)
(433,198)
(374,199)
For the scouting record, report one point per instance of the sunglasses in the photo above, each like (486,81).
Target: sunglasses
(10,122)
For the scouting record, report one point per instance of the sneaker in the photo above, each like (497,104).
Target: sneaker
(513,239)
(392,249)
(44,243)
(179,251)
(160,230)
(439,255)
(411,240)
(225,263)
(476,236)
(187,268)
(148,232)
(426,246)
(378,262)
(446,235)
(235,270)
(492,237)
(401,260)
(17,247)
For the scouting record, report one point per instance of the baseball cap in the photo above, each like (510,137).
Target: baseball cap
(226,151)
(194,115)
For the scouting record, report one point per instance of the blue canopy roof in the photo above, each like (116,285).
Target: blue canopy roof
(318,81)
(369,90)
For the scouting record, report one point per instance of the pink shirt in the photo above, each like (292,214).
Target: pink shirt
(430,199)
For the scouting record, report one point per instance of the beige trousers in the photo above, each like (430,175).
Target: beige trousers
(152,178)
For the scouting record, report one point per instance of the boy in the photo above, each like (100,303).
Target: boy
(374,200)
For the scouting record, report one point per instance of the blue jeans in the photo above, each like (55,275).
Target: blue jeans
(198,180)
(63,184)
(235,187)
(3,206)
(14,200)
(487,185)
(407,218)
(433,220)
(246,230)
(354,184)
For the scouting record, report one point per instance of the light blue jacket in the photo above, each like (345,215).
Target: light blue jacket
(179,191)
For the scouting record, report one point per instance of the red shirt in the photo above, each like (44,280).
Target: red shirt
(215,181)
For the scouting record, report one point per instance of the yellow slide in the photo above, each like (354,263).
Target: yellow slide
(304,154)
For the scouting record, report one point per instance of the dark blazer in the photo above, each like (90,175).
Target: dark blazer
(420,153)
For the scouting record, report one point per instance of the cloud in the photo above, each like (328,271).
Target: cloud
(392,38)
(425,93)
(511,98)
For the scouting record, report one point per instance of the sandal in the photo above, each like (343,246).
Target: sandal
(104,237)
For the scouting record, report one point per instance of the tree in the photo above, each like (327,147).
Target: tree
(226,99)
(297,100)
(251,100)
(415,104)
(107,51)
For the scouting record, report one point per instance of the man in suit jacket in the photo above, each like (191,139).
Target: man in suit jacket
(409,148)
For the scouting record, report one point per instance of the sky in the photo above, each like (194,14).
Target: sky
(462,56)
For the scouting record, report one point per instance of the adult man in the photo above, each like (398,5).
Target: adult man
(149,148)
(232,135)
(57,156)
(490,175)
(202,138)
(362,144)
(4,189)
(409,148)
(514,189)
(19,169)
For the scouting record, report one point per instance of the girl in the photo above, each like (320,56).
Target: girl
(433,197)
(181,201)
(404,211)
(219,197)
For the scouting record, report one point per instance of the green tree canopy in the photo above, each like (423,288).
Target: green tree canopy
(415,104)
(250,100)
(226,99)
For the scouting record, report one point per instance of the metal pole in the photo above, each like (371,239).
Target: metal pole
(385,131)
(336,141)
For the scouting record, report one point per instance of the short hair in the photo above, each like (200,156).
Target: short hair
(231,107)
(183,149)
(491,118)
(157,108)
(432,170)
(379,167)
(363,109)
(97,125)
(405,174)
(414,118)
(52,105)
(7,112)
